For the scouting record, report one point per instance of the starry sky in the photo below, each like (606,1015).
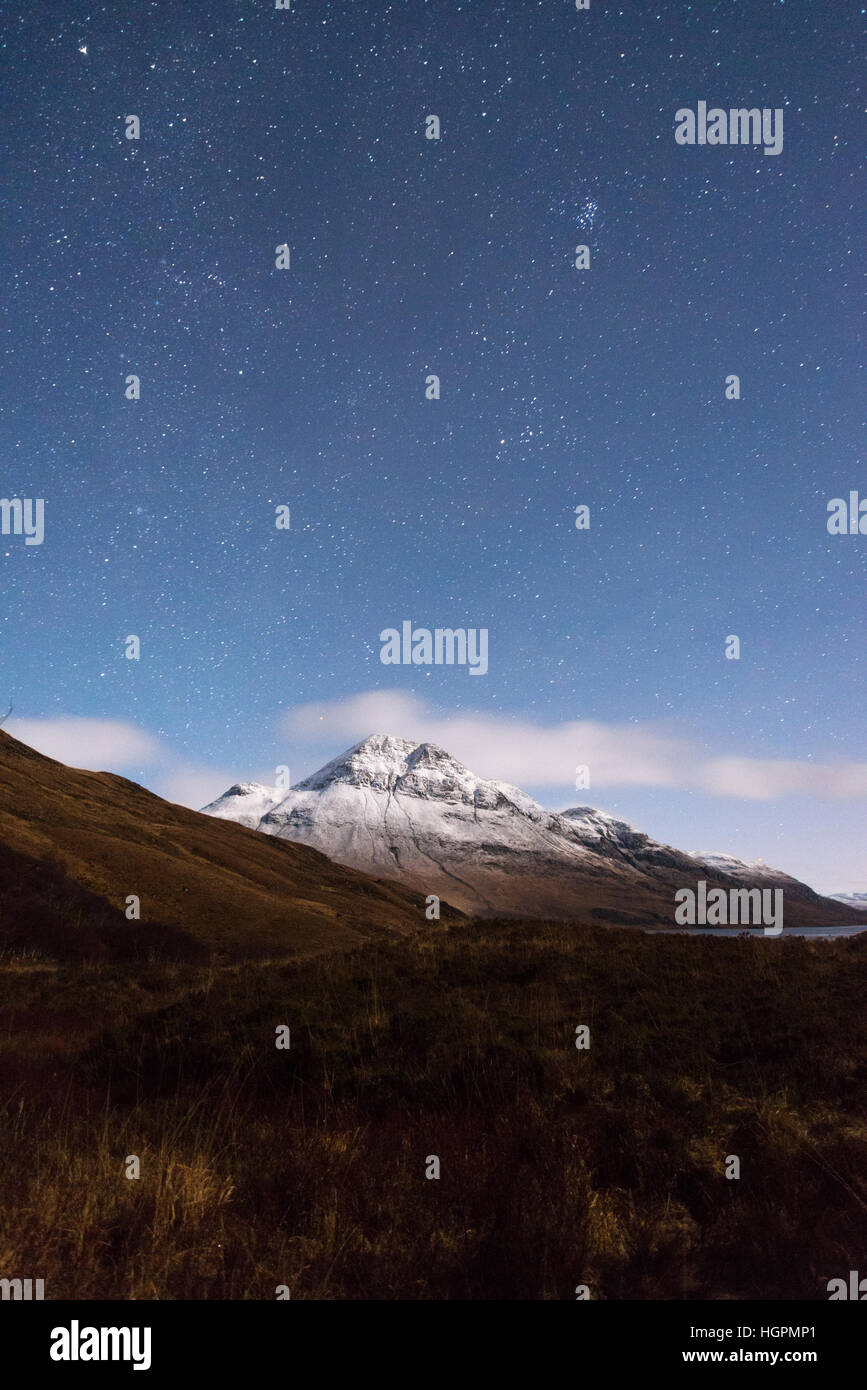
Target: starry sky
(559,387)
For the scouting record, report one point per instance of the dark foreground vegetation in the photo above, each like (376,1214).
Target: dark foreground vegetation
(559,1167)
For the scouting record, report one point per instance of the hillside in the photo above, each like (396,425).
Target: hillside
(413,814)
(558,1166)
(74,845)
(307,1166)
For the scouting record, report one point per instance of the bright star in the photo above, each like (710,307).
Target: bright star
(83,50)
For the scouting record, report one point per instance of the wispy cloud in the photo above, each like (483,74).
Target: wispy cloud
(494,746)
(114,745)
(531,754)
(191,785)
(110,744)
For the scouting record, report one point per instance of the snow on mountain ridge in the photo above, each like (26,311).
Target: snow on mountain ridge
(246,803)
(399,809)
(376,761)
(424,770)
(741,868)
(411,811)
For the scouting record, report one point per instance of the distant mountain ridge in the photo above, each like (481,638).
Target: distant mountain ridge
(852,899)
(409,811)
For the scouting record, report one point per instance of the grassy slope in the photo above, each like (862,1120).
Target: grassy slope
(559,1166)
(74,845)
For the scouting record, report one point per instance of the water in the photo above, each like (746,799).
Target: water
(819,933)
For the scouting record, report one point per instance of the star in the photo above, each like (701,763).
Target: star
(603,387)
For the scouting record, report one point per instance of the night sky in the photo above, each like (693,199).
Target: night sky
(559,387)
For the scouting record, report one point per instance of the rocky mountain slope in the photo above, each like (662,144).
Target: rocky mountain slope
(410,812)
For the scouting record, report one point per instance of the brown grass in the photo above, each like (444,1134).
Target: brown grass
(558,1166)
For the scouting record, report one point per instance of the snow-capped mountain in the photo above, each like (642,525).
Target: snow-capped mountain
(755,870)
(409,811)
(851,899)
(246,803)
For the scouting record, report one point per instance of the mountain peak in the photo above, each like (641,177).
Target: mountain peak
(385,762)
(400,809)
(383,745)
(430,755)
(374,762)
(246,803)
